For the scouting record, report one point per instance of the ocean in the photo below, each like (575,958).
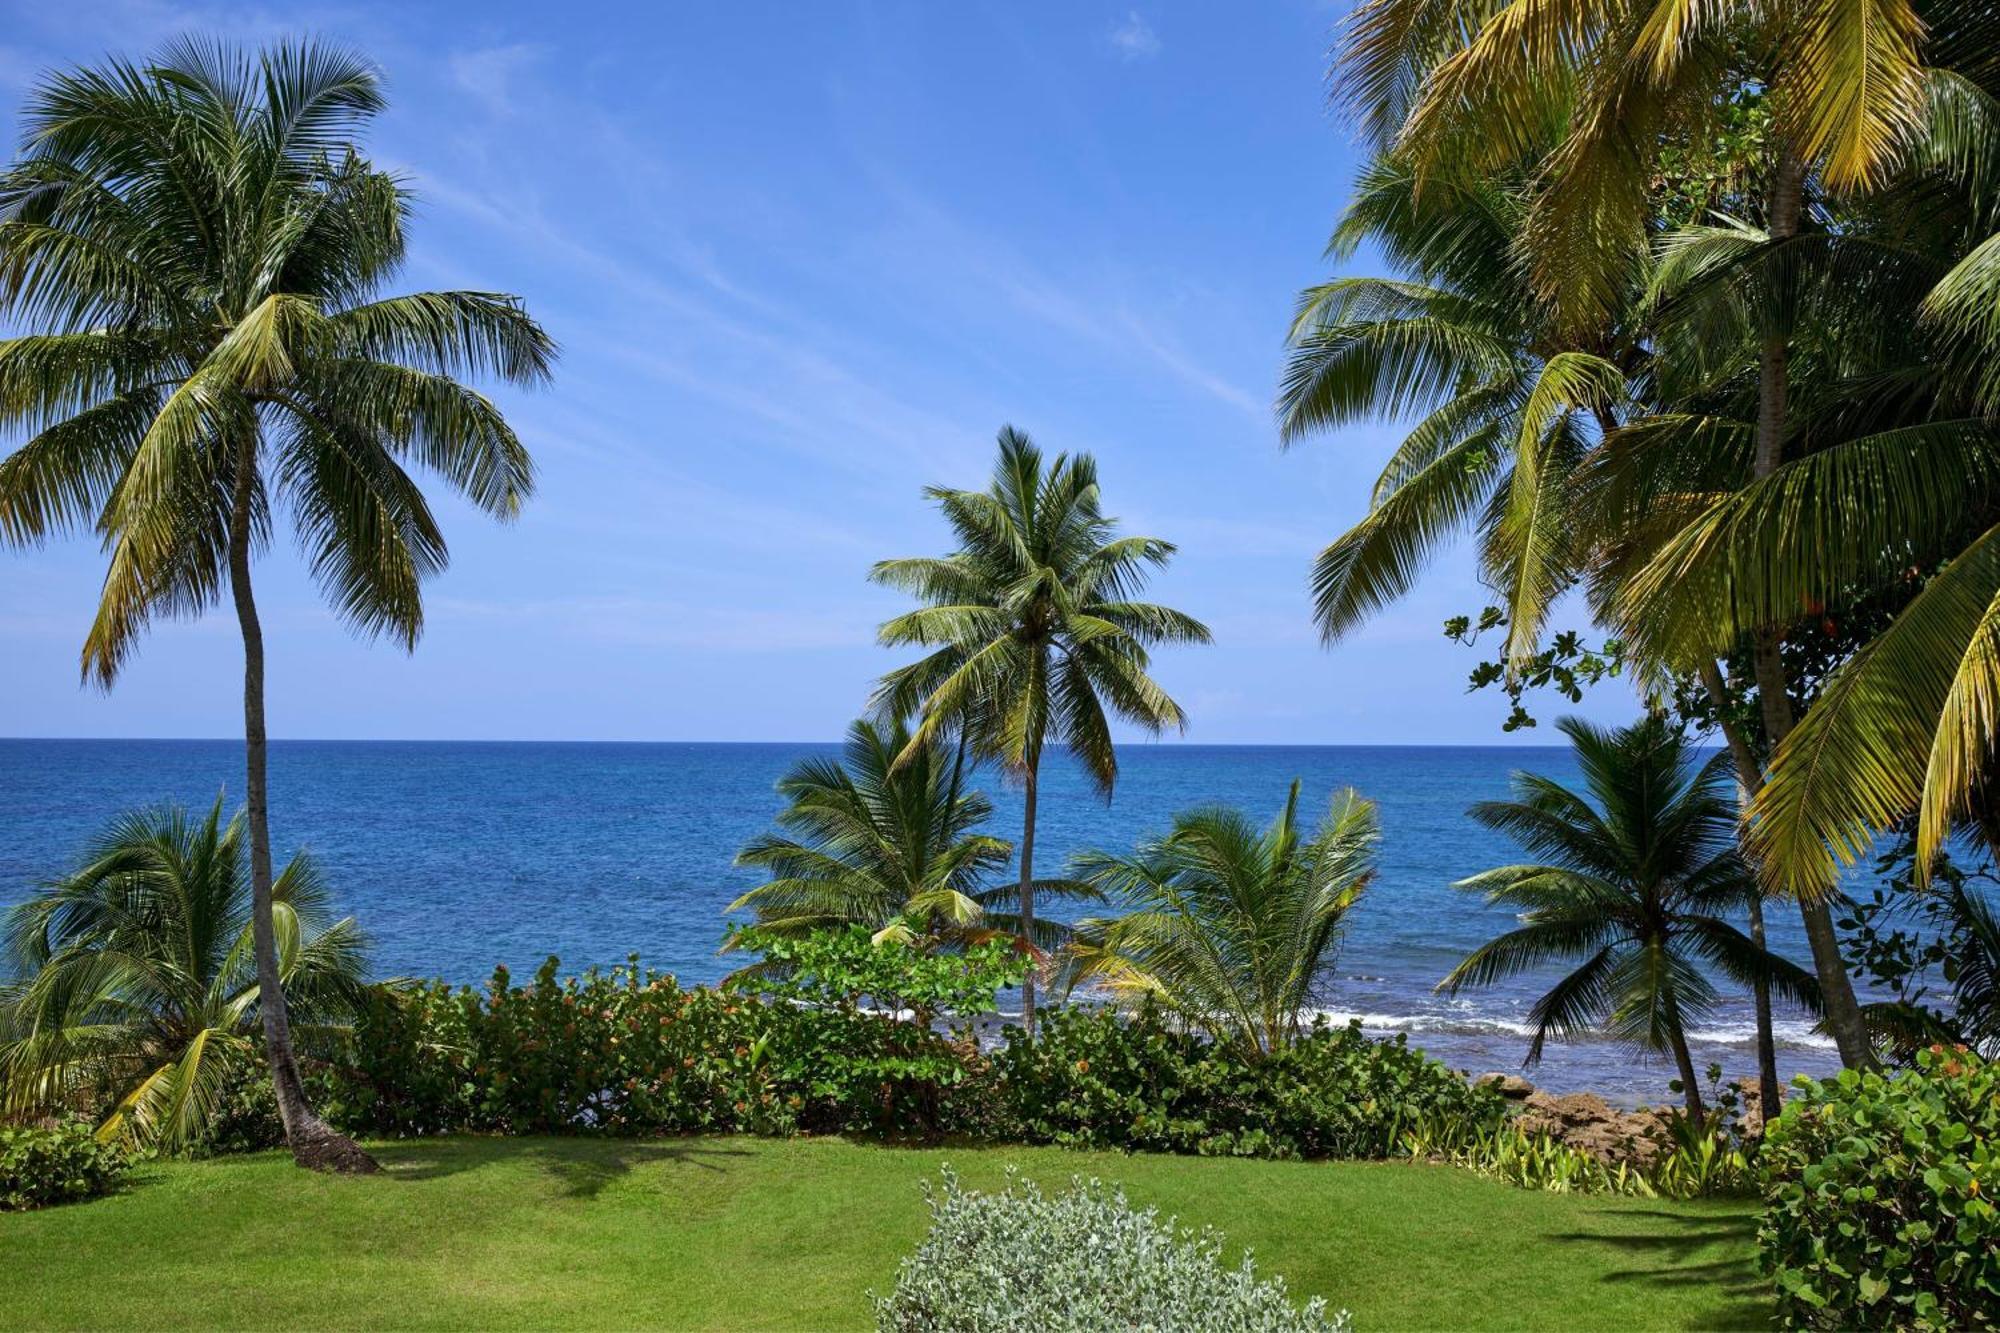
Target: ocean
(457,856)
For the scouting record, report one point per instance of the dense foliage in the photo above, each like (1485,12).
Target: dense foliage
(631,1051)
(1878,1190)
(1093,1078)
(1083,1260)
(62,1164)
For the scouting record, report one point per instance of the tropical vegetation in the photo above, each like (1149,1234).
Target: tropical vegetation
(1635,882)
(1232,927)
(201,250)
(61,1163)
(138,1002)
(888,837)
(1032,634)
(1879,1210)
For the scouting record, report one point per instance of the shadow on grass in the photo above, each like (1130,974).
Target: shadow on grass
(1674,1253)
(583,1167)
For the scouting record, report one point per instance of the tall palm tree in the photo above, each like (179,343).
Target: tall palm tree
(1635,882)
(1033,635)
(1231,925)
(204,250)
(138,991)
(888,838)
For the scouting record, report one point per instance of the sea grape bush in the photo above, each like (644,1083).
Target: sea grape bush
(874,1003)
(1083,1260)
(59,1164)
(1096,1078)
(1878,1191)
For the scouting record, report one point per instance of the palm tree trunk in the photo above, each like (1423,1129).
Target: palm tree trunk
(1748,774)
(1690,1087)
(1028,891)
(312,1141)
(1843,1013)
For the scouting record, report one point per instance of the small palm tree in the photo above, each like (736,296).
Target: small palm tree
(1230,925)
(1033,635)
(887,838)
(1636,885)
(203,250)
(138,994)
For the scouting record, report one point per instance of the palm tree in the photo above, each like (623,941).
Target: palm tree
(1507,402)
(138,993)
(1636,881)
(1033,635)
(1230,925)
(204,250)
(886,837)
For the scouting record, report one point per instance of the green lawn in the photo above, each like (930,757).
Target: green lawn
(750,1233)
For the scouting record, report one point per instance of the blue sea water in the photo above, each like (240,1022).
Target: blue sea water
(457,856)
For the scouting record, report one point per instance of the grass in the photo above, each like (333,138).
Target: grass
(744,1233)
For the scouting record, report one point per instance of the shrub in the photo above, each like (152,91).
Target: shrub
(1878,1211)
(628,1051)
(1094,1078)
(891,1058)
(39,1166)
(1083,1260)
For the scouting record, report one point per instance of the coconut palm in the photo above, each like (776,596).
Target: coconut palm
(1507,404)
(1033,635)
(887,837)
(202,252)
(138,988)
(1636,880)
(1231,925)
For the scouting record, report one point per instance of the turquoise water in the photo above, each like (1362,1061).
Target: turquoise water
(458,856)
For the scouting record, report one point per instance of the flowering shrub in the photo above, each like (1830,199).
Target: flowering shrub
(1878,1198)
(1083,1260)
(39,1167)
(1095,1079)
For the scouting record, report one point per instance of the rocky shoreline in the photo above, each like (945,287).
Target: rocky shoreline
(1589,1123)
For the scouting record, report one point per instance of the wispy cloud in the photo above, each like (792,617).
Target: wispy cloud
(1134,39)
(492,74)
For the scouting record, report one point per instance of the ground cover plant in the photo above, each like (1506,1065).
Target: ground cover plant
(736,1232)
(1082,1259)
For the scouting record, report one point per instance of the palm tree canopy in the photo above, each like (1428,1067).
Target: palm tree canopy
(887,837)
(202,253)
(136,988)
(1230,924)
(1635,881)
(1505,404)
(1031,623)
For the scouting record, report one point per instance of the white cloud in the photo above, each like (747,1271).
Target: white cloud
(1134,39)
(489,74)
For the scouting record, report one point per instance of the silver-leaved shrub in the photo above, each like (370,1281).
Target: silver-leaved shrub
(1082,1261)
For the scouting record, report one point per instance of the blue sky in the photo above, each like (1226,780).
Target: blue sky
(804,260)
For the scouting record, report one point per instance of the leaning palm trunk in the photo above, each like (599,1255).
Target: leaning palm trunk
(312,1141)
(1843,1013)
